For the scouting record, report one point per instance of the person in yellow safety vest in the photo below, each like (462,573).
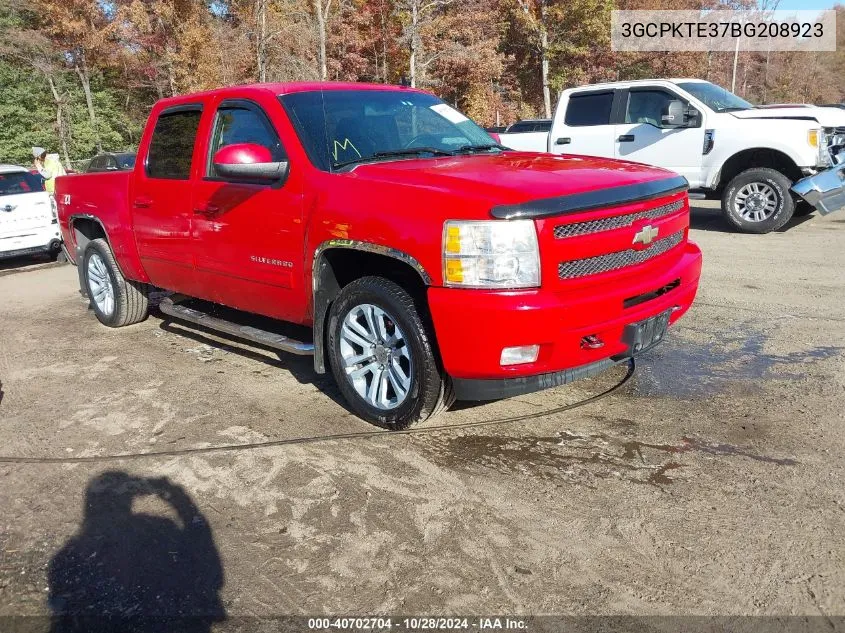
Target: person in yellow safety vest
(49,166)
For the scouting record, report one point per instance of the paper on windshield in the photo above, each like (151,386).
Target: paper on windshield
(449,113)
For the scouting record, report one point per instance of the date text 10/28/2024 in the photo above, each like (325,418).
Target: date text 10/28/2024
(493,623)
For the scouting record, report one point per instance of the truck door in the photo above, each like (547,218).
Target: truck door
(248,236)
(584,125)
(642,137)
(161,200)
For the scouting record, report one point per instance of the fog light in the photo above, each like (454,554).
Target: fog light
(519,355)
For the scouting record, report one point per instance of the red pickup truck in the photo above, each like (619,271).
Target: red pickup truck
(425,261)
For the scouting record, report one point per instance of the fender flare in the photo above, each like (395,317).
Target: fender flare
(78,251)
(325,287)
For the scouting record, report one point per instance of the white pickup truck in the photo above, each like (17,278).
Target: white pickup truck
(766,164)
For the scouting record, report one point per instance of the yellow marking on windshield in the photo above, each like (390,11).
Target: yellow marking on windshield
(344,146)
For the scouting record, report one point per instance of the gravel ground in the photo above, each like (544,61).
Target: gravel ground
(710,484)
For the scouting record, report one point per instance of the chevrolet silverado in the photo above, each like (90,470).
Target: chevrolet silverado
(419,260)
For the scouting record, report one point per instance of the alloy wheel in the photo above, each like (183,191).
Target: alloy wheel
(756,202)
(100,286)
(376,356)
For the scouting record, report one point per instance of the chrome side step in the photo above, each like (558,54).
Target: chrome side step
(254,335)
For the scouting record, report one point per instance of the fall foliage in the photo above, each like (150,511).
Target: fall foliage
(79,76)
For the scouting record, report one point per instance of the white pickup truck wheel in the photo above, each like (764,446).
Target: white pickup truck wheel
(381,355)
(758,200)
(116,301)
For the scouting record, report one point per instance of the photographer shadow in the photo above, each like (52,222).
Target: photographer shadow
(132,571)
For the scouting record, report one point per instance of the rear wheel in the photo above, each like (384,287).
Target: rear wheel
(381,355)
(116,301)
(758,200)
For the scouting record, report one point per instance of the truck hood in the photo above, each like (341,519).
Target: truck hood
(510,177)
(826,117)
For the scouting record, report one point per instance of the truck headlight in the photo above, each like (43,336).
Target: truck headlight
(491,254)
(818,138)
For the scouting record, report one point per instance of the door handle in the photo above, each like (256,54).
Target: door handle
(141,203)
(208,209)
(626,138)
(564,140)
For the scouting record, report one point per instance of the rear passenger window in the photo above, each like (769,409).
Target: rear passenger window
(172,145)
(589,109)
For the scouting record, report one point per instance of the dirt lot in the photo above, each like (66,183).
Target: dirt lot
(711,483)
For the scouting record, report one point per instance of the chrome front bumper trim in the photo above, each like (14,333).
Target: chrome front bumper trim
(825,191)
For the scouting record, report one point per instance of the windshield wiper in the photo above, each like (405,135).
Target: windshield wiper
(469,149)
(409,151)
(413,151)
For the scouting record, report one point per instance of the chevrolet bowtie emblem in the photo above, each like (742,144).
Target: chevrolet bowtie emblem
(646,235)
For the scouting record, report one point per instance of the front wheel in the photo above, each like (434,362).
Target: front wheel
(758,200)
(382,356)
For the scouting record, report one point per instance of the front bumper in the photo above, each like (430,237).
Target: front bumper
(825,191)
(473,326)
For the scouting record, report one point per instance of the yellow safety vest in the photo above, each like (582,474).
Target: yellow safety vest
(53,166)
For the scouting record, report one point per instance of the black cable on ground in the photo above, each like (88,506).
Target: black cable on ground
(319,438)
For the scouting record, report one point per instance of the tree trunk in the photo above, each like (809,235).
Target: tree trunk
(321,35)
(384,46)
(261,43)
(766,78)
(60,124)
(544,61)
(82,70)
(412,61)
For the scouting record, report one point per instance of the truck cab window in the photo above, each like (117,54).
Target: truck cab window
(172,145)
(589,109)
(647,106)
(235,125)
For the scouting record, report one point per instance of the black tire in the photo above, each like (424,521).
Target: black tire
(58,255)
(784,204)
(430,390)
(131,301)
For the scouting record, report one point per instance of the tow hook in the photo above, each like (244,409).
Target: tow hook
(591,341)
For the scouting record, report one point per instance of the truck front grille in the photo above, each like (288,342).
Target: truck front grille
(613,261)
(615,222)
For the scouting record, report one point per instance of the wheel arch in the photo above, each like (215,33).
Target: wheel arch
(85,228)
(339,262)
(757,157)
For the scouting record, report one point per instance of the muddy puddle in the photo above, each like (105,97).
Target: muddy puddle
(586,458)
(686,368)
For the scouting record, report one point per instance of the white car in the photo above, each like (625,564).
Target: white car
(766,164)
(28,222)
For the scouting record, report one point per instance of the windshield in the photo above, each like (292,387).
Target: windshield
(344,127)
(715,97)
(125,161)
(20,182)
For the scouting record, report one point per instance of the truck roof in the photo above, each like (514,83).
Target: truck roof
(285,88)
(639,82)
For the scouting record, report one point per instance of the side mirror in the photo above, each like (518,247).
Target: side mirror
(692,117)
(250,162)
(673,114)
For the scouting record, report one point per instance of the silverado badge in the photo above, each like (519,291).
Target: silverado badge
(646,235)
